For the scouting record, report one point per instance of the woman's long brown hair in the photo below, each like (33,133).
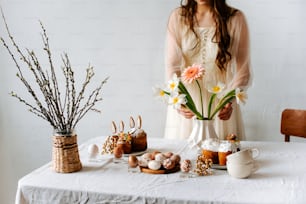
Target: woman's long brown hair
(221,14)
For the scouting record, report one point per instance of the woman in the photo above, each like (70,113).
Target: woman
(214,35)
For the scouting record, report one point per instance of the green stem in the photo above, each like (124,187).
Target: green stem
(229,94)
(200,97)
(221,105)
(212,98)
(166,92)
(225,99)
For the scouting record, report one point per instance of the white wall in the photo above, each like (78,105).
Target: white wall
(124,39)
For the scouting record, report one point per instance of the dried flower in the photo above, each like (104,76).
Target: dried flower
(63,110)
(203,166)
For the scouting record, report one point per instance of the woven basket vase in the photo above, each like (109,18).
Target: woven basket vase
(65,153)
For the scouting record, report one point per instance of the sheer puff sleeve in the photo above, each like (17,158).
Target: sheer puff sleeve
(240,49)
(173,52)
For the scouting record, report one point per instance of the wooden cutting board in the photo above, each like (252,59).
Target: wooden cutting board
(160,171)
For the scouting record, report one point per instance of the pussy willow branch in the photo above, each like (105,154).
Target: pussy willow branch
(66,105)
(32,108)
(70,88)
(20,75)
(43,84)
(62,115)
(56,93)
(89,104)
(74,113)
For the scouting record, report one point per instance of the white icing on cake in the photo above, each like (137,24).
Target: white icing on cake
(211,144)
(226,146)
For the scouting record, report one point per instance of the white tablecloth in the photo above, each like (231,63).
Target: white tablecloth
(280,179)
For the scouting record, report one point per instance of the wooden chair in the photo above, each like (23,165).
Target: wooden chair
(293,123)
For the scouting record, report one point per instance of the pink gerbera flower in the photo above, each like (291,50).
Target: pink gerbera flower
(192,73)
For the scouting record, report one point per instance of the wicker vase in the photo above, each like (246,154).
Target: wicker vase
(65,153)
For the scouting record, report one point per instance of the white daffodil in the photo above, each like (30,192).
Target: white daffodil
(240,96)
(176,100)
(159,93)
(215,88)
(172,85)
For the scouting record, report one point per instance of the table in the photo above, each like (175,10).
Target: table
(280,179)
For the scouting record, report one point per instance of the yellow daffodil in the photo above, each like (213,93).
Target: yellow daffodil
(173,84)
(240,96)
(215,88)
(160,94)
(176,100)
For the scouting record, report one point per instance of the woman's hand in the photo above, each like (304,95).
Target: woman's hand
(226,112)
(186,112)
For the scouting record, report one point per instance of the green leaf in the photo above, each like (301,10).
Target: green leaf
(190,103)
(221,105)
(212,98)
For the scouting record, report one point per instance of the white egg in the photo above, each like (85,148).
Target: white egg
(160,157)
(93,150)
(147,156)
(142,162)
(154,165)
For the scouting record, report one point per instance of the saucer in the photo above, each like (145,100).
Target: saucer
(135,153)
(219,167)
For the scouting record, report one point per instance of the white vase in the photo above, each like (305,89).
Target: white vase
(202,129)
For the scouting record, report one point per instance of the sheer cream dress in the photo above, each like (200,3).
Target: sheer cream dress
(180,53)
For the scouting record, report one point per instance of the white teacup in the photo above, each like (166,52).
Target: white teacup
(243,156)
(238,170)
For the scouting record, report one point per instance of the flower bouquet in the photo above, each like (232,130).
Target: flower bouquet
(63,109)
(176,94)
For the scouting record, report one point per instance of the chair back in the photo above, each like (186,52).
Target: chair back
(293,123)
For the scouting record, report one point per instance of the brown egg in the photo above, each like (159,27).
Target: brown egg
(133,161)
(118,152)
(168,164)
(168,154)
(176,158)
(186,166)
